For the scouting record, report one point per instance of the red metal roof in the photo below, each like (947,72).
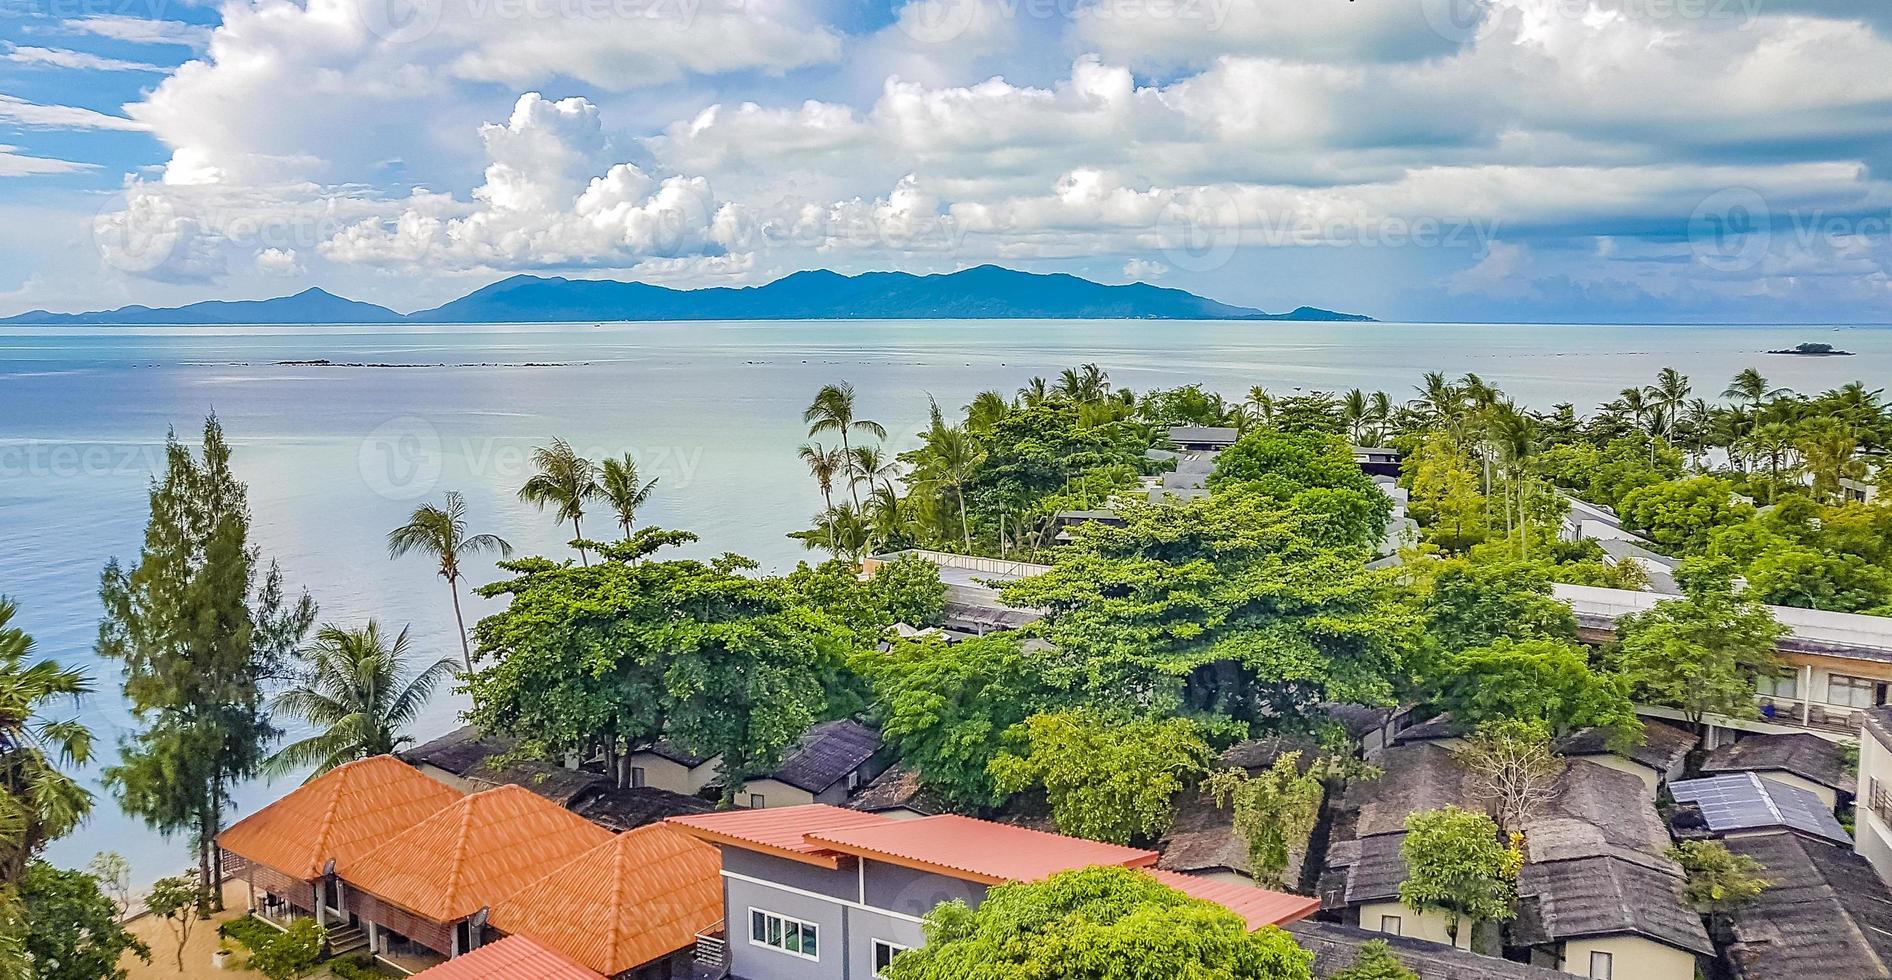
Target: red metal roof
(1257,906)
(781,831)
(512,958)
(976,850)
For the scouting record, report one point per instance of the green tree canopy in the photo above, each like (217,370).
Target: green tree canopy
(1682,515)
(1544,681)
(944,707)
(1274,810)
(1700,653)
(1097,924)
(1375,961)
(1280,465)
(1105,780)
(1718,879)
(72,929)
(613,655)
(1456,864)
(1473,603)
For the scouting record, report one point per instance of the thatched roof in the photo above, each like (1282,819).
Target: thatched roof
(1600,896)
(898,788)
(1595,811)
(1418,776)
(555,783)
(1335,946)
(1662,748)
(1257,754)
(1808,756)
(1825,913)
(457,751)
(1436,727)
(1365,870)
(630,808)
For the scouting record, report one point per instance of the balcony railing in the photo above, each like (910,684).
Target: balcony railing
(1808,713)
(712,950)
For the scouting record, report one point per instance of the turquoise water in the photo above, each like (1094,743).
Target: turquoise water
(336,455)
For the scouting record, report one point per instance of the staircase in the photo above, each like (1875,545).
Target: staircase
(347,941)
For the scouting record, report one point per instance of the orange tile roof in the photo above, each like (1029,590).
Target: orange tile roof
(1257,906)
(337,816)
(512,958)
(473,853)
(635,898)
(977,850)
(781,831)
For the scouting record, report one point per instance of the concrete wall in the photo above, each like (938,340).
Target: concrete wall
(663,773)
(911,892)
(1430,926)
(1634,958)
(757,962)
(774,794)
(845,927)
(1872,836)
(864,927)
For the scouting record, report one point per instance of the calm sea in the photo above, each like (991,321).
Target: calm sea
(336,455)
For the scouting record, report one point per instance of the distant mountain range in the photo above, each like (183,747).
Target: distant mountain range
(983,293)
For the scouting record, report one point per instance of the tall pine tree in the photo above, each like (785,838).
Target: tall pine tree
(198,631)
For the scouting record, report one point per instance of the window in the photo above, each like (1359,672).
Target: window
(853,781)
(884,952)
(1390,924)
(1785,684)
(637,777)
(1602,966)
(783,933)
(755,801)
(1849,692)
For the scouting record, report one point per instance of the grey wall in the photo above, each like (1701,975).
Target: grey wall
(864,928)
(754,962)
(840,884)
(890,886)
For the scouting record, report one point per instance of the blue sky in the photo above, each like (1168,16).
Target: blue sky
(1561,160)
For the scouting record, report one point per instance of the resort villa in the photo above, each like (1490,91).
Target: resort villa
(823,893)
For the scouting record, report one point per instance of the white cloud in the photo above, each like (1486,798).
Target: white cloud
(78,60)
(33,115)
(139,30)
(19,165)
(279,262)
(1144,270)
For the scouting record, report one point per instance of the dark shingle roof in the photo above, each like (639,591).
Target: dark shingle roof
(1335,946)
(457,751)
(827,753)
(1436,727)
(1365,870)
(1663,745)
(1358,719)
(620,810)
(1825,913)
(667,749)
(555,783)
(1257,754)
(1808,756)
(1601,896)
(1746,801)
(898,787)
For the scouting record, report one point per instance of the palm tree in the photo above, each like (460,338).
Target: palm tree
(440,533)
(618,487)
(1438,400)
(985,411)
(38,802)
(833,411)
(1666,398)
(1260,406)
(1827,445)
(1750,387)
(869,465)
(948,461)
(1035,393)
(824,465)
(565,480)
(360,693)
(1356,413)
(1771,442)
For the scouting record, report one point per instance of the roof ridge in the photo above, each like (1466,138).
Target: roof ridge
(456,865)
(619,887)
(326,824)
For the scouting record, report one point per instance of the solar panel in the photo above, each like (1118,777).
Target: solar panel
(1744,801)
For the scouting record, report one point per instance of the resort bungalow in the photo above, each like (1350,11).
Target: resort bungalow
(832,761)
(898,793)
(1824,913)
(293,852)
(1360,884)
(463,759)
(1744,803)
(822,893)
(1657,759)
(1817,765)
(666,765)
(1377,460)
(423,893)
(1598,895)
(1335,948)
(629,908)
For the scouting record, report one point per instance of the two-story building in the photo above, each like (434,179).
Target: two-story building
(822,893)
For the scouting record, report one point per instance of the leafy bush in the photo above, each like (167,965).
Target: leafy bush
(360,968)
(292,953)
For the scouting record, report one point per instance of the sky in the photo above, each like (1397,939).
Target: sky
(1456,160)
